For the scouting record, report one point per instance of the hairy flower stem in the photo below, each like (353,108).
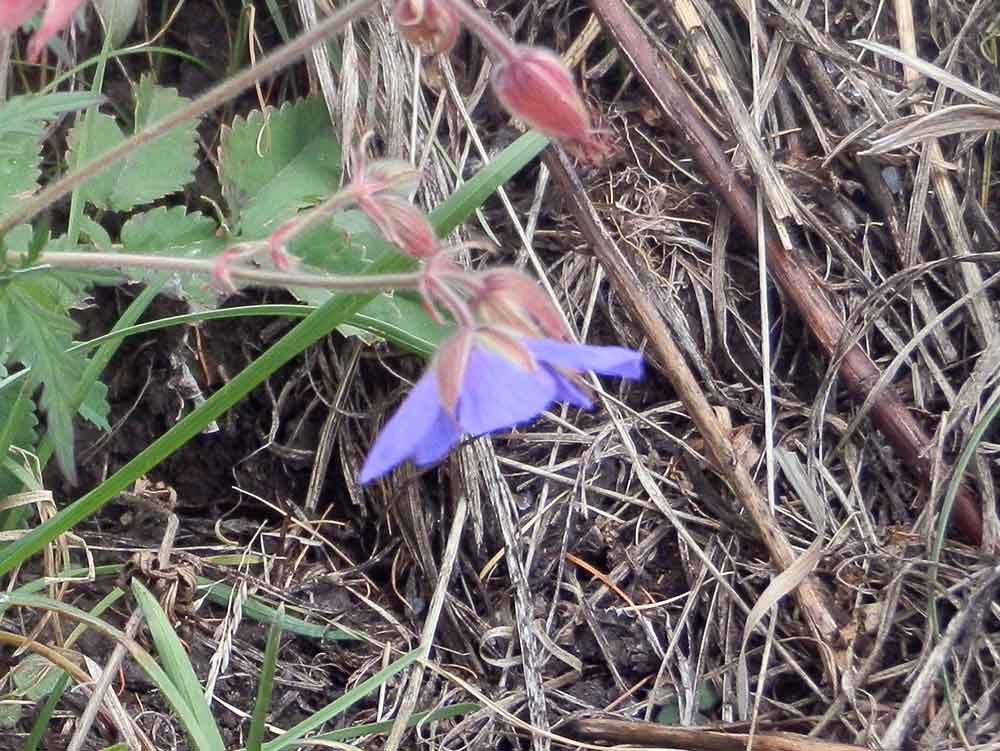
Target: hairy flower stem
(244,274)
(487,31)
(347,196)
(214,97)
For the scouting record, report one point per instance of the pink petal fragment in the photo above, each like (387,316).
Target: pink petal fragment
(13,13)
(57,15)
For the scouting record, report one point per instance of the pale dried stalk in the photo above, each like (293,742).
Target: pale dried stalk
(796,280)
(810,594)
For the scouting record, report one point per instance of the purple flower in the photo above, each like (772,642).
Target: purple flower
(473,389)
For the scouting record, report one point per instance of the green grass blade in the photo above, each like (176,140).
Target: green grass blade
(259,611)
(170,692)
(294,736)
(45,714)
(270,663)
(75,71)
(468,198)
(176,662)
(356,731)
(242,311)
(976,436)
(279,20)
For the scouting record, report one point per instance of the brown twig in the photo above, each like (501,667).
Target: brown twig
(798,283)
(693,739)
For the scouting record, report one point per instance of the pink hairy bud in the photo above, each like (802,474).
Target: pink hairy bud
(404,225)
(508,298)
(535,86)
(393,176)
(382,190)
(430,25)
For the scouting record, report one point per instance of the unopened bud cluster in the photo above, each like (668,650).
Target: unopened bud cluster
(531,82)
(511,355)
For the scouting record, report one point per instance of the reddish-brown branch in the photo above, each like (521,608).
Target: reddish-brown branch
(796,281)
(693,739)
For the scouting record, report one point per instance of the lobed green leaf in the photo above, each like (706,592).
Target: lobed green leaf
(150,172)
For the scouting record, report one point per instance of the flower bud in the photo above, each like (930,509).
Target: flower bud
(402,224)
(430,25)
(394,176)
(508,298)
(536,87)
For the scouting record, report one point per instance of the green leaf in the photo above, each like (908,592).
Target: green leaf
(17,428)
(103,134)
(25,115)
(17,417)
(36,331)
(274,163)
(95,408)
(20,154)
(21,128)
(173,232)
(97,235)
(35,677)
(155,170)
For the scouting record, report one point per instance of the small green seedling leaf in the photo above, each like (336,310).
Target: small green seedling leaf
(275,162)
(155,170)
(20,154)
(265,683)
(35,677)
(22,120)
